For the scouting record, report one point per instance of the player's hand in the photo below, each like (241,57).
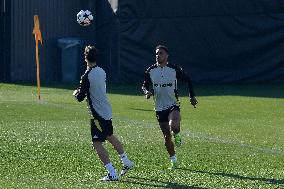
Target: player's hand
(148,94)
(75,92)
(193,101)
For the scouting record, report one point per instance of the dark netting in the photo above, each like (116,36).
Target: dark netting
(216,41)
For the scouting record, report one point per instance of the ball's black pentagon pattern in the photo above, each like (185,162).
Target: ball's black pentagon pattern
(85,18)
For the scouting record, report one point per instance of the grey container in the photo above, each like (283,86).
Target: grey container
(72,59)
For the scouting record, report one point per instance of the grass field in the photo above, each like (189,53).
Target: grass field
(234,139)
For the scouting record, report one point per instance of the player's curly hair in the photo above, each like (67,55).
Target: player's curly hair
(163,47)
(91,53)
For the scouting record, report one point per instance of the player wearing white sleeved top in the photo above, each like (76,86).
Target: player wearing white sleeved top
(162,77)
(93,86)
(95,92)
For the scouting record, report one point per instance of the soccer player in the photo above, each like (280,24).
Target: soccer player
(93,86)
(163,77)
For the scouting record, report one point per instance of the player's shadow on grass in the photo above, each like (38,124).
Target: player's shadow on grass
(236,176)
(156,183)
(141,109)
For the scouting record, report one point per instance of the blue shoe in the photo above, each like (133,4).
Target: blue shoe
(126,168)
(109,177)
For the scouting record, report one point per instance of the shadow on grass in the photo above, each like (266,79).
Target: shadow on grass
(253,90)
(236,176)
(140,109)
(156,183)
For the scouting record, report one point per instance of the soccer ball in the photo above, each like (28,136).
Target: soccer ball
(85,17)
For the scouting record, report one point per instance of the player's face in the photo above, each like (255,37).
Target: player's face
(161,56)
(86,59)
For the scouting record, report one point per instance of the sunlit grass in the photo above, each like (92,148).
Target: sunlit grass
(234,139)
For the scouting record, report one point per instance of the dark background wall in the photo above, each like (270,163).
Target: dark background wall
(105,29)
(57,20)
(216,41)
(4,42)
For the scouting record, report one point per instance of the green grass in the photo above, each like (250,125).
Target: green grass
(234,139)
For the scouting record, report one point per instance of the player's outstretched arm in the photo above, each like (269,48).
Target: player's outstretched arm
(185,77)
(146,85)
(81,92)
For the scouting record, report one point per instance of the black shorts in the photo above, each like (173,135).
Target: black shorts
(100,129)
(163,116)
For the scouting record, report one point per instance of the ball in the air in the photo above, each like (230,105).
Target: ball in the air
(85,17)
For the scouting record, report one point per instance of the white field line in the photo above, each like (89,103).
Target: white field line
(185,133)
(64,106)
(221,140)
(205,137)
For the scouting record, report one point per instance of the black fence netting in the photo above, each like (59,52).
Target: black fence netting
(215,41)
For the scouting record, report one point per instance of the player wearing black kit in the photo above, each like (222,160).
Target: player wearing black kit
(162,77)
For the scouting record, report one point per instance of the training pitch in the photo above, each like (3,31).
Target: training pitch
(233,139)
